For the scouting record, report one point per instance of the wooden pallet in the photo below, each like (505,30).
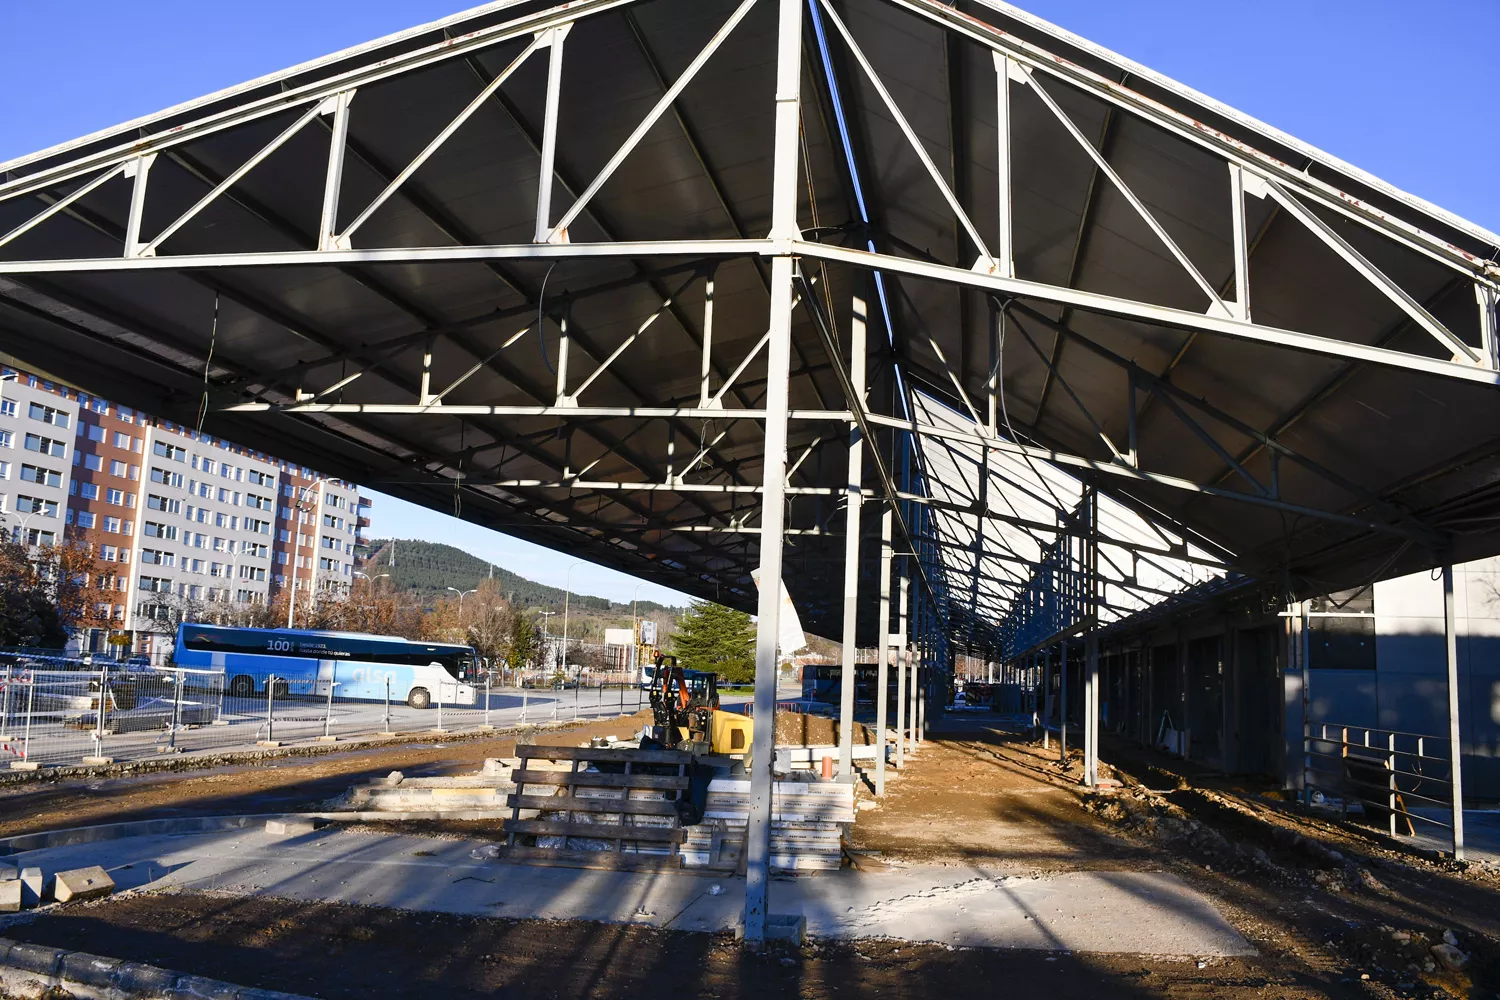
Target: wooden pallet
(582,797)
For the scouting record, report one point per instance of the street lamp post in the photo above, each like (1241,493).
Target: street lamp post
(461,595)
(299,508)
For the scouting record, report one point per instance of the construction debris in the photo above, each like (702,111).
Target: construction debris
(82,884)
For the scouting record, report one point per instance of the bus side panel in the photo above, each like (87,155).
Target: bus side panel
(367,681)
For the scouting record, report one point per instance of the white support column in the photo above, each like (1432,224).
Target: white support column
(1047,699)
(903,661)
(546,178)
(562,360)
(1241,248)
(882,674)
(139,170)
(1005,254)
(338,138)
(773,506)
(708,340)
(1091,712)
(1455,735)
(855,501)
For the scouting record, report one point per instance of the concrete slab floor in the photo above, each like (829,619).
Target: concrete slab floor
(1136,912)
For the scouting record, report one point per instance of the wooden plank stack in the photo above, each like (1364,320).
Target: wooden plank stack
(807,825)
(624,816)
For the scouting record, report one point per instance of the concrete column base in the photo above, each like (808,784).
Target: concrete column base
(780,927)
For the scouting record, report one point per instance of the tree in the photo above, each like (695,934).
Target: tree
(43,592)
(714,638)
(522,645)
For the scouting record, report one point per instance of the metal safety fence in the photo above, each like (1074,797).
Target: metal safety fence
(1404,781)
(59,710)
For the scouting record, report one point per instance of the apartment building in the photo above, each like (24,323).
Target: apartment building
(182,524)
(37,428)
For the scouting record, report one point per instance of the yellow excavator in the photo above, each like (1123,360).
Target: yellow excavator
(685,710)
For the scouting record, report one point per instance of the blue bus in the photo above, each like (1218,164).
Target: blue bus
(353,664)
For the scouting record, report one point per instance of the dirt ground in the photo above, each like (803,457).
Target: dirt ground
(285,783)
(1334,910)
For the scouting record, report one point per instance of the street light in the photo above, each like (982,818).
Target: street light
(461,594)
(377,576)
(300,507)
(635,634)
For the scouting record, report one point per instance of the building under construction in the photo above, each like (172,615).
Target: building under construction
(983,339)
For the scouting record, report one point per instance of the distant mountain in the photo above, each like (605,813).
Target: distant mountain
(430,568)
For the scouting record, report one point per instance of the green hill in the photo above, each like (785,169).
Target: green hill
(429,568)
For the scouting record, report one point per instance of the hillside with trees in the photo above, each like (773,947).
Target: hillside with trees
(427,569)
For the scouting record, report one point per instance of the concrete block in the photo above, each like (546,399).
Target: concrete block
(8,871)
(394,778)
(202,988)
(790,927)
(97,761)
(289,827)
(82,883)
(25,765)
(268,743)
(91,970)
(37,958)
(10,895)
(328,739)
(31,886)
(135,979)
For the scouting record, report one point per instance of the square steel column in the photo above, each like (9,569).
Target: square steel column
(1455,740)
(773,494)
(882,678)
(1091,712)
(851,543)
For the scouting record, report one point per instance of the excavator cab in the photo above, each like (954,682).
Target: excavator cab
(682,706)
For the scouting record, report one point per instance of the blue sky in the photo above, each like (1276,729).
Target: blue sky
(1407,97)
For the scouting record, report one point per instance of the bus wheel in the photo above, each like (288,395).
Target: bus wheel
(419,698)
(241,687)
(283,688)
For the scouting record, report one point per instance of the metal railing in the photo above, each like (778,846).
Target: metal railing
(1390,774)
(63,710)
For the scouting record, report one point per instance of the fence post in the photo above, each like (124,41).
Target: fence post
(525,692)
(439,687)
(622,698)
(488,683)
(1390,763)
(270,706)
(387,720)
(30,704)
(328,714)
(176,709)
(103,708)
(5,711)
(577,696)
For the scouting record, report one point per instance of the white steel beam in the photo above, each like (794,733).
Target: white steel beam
(138,170)
(882,676)
(62,204)
(1241,243)
(1200,134)
(406,255)
(344,240)
(333,183)
(1144,312)
(651,118)
(149,249)
(986,259)
(546,179)
(1005,252)
(381,69)
(1119,183)
(1371,273)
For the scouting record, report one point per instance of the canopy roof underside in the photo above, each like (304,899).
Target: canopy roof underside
(1368,449)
